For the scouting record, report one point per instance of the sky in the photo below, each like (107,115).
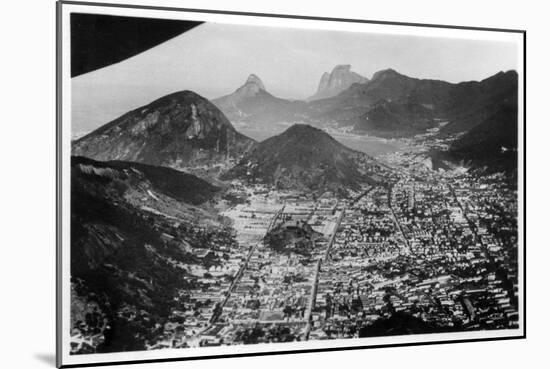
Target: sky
(215,59)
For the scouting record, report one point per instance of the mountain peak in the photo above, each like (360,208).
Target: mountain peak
(252,103)
(384,73)
(510,75)
(305,130)
(302,157)
(178,130)
(342,68)
(339,79)
(255,80)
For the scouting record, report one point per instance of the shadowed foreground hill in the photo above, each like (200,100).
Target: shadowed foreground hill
(170,182)
(492,145)
(133,232)
(304,158)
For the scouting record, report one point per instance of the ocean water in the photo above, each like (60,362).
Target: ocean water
(373,146)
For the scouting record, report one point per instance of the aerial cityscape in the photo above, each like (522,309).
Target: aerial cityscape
(380,205)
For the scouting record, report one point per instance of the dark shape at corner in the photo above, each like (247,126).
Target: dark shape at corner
(98,40)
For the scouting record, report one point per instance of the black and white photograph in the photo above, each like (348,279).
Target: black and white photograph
(239,184)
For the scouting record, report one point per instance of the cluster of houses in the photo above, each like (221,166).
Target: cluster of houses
(441,249)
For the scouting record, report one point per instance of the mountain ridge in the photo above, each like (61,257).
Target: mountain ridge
(252,103)
(178,130)
(390,104)
(133,240)
(417,101)
(492,145)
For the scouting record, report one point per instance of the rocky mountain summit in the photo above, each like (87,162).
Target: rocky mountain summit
(252,103)
(341,78)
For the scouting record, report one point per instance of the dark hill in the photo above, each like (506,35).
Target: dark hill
(302,157)
(471,103)
(388,118)
(492,144)
(134,231)
(298,238)
(180,130)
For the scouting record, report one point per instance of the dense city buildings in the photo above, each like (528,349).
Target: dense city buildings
(425,252)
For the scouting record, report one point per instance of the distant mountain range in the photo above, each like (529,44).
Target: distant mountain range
(180,130)
(390,104)
(185,131)
(394,105)
(302,157)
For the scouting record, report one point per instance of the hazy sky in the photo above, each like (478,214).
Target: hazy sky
(215,59)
